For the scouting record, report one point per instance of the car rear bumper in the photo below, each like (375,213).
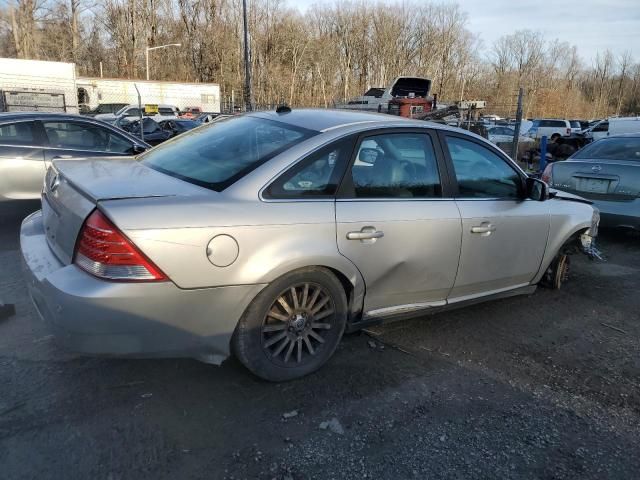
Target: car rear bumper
(98,317)
(623,214)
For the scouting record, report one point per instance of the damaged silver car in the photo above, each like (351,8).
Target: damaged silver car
(271,234)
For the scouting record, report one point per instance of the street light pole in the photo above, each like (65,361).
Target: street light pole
(148,49)
(248,94)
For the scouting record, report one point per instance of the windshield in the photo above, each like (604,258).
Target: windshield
(575,124)
(614,148)
(218,155)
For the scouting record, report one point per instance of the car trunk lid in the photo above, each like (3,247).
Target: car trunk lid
(73,189)
(604,180)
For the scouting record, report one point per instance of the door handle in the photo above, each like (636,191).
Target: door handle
(484,229)
(366,233)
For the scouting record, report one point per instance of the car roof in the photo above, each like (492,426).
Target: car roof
(623,135)
(321,119)
(8,116)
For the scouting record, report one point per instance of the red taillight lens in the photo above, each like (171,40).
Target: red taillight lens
(103,250)
(547,175)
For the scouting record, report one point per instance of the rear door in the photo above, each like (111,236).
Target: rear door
(22,165)
(503,235)
(397,223)
(73,139)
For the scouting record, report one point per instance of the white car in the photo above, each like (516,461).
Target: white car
(502,134)
(550,128)
(613,126)
(576,127)
(165,112)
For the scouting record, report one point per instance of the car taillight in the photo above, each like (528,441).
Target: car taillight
(105,252)
(547,175)
(568,132)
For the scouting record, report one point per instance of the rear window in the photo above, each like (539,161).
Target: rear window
(620,148)
(166,111)
(575,124)
(218,155)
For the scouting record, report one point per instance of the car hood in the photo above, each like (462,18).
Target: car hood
(560,195)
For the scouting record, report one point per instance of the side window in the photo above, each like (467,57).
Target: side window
(480,172)
(132,112)
(318,175)
(118,144)
(20,133)
(78,136)
(601,127)
(396,165)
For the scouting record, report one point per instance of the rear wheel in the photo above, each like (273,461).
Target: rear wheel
(293,326)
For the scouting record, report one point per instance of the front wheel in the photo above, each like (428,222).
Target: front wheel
(293,326)
(558,272)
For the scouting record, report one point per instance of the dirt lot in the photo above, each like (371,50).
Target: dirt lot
(541,387)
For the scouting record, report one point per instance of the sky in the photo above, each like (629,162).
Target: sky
(591,25)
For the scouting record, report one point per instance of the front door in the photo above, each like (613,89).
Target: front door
(504,236)
(395,224)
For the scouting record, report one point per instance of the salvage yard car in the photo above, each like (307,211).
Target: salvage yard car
(607,172)
(270,234)
(30,141)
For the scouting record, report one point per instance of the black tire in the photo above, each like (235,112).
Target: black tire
(255,341)
(558,272)
(555,136)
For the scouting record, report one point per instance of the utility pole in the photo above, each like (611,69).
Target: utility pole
(248,93)
(516,132)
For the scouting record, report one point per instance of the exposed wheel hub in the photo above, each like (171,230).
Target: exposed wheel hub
(298,322)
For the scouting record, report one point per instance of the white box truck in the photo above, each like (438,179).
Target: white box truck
(95,91)
(28,85)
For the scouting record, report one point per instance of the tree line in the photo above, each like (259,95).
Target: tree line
(329,53)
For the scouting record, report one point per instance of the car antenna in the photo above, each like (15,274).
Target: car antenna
(284,108)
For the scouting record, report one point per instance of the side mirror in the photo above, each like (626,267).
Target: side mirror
(136,149)
(537,189)
(368,155)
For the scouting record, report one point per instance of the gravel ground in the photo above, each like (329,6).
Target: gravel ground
(546,386)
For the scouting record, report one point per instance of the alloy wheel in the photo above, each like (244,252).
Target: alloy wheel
(295,327)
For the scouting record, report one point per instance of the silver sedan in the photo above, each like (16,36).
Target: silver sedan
(270,234)
(607,172)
